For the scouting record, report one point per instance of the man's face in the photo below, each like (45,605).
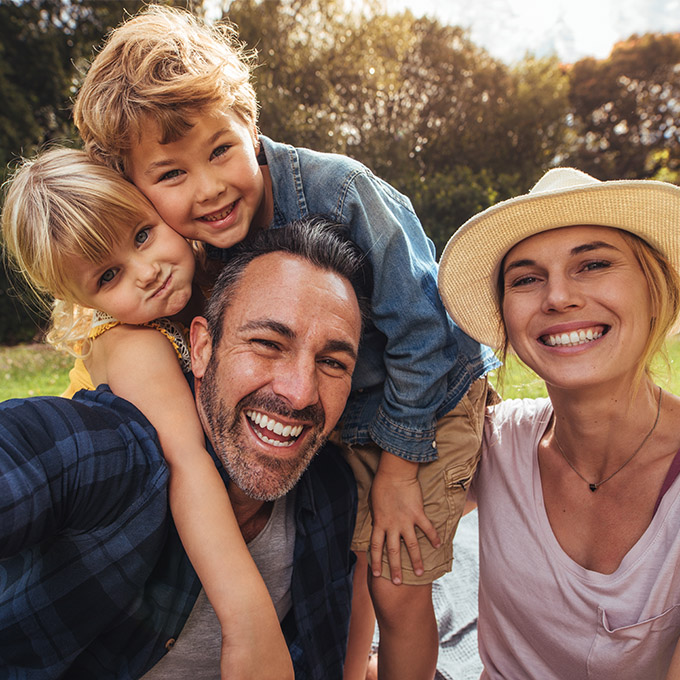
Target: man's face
(276,385)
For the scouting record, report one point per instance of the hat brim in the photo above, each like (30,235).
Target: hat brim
(468,269)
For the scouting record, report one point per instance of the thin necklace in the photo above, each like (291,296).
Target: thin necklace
(594,487)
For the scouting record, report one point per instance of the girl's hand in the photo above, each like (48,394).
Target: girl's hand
(396,503)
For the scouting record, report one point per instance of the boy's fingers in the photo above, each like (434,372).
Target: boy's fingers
(429,530)
(377,543)
(413,549)
(394,557)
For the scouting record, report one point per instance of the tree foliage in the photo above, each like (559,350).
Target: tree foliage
(626,109)
(416,100)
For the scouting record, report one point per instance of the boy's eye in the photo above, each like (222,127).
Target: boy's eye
(107,276)
(142,235)
(171,174)
(220,151)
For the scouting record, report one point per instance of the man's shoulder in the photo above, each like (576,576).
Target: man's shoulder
(93,420)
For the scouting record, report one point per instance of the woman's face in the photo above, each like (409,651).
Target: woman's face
(576,306)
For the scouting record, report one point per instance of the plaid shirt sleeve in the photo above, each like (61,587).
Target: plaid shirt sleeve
(83,515)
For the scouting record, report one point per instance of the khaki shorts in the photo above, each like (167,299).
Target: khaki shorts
(444,483)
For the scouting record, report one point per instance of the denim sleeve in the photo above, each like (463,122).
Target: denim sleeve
(428,362)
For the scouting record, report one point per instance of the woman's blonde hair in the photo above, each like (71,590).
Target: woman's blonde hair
(58,205)
(663,283)
(165,66)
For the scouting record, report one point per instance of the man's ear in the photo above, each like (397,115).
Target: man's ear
(201,346)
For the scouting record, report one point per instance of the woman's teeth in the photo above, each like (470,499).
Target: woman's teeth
(573,338)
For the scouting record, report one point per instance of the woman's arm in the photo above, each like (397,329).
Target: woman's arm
(140,365)
(674,668)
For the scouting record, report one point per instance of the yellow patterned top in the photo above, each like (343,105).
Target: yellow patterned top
(79,377)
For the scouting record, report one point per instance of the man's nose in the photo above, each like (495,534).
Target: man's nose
(296,381)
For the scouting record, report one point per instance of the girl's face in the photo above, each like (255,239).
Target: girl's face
(576,305)
(148,274)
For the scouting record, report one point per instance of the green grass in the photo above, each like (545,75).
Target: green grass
(32,370)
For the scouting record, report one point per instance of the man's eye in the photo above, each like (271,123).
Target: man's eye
(334,364)
(142,235)
(268,344)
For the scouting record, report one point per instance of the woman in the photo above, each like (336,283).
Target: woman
(579,500)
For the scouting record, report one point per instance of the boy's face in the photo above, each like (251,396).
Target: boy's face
(207,185)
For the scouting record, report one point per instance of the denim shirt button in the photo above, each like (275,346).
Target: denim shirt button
(434,445)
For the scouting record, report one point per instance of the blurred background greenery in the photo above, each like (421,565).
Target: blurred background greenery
(431,112)
(34,369)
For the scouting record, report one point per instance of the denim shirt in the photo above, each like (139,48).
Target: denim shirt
(414,363)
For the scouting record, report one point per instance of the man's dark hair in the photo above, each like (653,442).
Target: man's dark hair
(318,240)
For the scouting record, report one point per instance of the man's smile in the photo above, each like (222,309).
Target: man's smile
(261,423)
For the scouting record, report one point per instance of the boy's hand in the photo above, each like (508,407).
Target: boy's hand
(396,503)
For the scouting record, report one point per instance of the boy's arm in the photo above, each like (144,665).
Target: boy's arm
(397,508)
(140,365)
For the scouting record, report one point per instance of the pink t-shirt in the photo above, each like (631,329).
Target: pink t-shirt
(543,616)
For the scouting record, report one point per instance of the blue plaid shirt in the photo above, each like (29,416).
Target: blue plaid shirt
(93,578)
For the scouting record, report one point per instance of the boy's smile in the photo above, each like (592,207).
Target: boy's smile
(206,185)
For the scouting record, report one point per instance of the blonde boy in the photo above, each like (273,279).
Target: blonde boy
(169,103)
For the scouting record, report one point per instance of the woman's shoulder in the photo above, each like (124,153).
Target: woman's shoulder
(519,413)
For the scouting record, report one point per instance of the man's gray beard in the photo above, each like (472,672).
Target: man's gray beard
(264,478)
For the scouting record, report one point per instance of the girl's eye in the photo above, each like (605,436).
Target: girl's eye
(171,174)
(107,276)
(142,236)
(220,151)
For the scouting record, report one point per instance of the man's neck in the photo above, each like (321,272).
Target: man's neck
(252,515)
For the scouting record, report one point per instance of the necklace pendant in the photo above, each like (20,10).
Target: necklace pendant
(592,487)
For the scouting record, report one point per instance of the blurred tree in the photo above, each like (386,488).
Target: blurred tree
(416,101)
(627,109)
(44,47)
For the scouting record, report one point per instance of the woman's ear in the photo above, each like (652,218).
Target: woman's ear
(201,346)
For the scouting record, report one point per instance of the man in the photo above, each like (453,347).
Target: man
(93,580)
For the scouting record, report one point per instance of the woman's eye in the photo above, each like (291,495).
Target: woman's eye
(522,281)
(107,276)
(142,236)
(597,264)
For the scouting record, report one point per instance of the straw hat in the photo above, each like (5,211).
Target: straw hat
(468,270)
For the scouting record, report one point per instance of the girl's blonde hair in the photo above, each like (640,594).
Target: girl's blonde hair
(58,205)
(166,66)
(663,283)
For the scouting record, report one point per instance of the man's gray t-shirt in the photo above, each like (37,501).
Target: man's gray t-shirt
(196,654)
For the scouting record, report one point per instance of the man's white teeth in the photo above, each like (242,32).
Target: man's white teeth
(268,423)
(573,338)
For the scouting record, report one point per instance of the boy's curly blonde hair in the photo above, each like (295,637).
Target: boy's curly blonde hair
(163,65)
(58,205)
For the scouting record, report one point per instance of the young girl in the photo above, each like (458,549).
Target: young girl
(77,231)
